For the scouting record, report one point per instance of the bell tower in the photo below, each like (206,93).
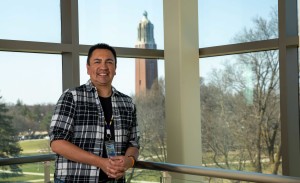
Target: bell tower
(145,69)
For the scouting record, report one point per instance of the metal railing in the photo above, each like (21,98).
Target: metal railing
(177,168)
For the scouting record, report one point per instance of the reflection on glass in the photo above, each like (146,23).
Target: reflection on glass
(30,78)
(221,22)
(30,20)
(240,112)
(112,23)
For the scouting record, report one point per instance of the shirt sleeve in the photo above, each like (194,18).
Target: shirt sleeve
(134,134)
(62,122)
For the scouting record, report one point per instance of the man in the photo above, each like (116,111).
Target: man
(89,118)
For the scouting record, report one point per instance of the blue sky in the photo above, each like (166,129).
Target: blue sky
(36,78)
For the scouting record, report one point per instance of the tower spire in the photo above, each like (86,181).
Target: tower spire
(145,32)
(145,69)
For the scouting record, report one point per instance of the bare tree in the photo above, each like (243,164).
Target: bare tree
(29,119)
(244,109)
(151,116)
(264,111)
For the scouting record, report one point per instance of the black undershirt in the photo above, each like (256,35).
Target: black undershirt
(107,109)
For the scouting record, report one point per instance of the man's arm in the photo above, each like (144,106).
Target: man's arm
(74,153)
(132,152)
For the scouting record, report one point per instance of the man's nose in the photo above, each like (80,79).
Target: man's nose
(103,65)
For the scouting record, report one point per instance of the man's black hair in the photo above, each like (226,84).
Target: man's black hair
(101,46)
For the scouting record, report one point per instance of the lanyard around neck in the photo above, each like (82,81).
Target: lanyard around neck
(108,125)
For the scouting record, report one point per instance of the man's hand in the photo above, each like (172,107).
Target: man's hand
(118,165)
(108,167)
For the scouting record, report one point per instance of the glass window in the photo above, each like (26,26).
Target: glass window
(30,20)
(111,22)
(31,78)
(240,111)
(221,22)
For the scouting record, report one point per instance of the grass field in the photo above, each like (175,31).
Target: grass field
(35,146)
(32,172)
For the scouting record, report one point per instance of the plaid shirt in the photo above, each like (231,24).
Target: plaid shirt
(79,118)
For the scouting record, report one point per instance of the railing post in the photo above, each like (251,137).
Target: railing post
(166,177)
(47,171)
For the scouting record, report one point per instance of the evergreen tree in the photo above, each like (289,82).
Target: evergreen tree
(9,146)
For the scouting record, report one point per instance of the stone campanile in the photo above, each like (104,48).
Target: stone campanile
(145,69)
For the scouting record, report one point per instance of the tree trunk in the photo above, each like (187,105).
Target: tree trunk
(277,161)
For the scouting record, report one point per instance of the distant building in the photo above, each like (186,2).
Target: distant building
(145,69)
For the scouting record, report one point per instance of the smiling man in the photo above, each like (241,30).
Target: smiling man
(94,129)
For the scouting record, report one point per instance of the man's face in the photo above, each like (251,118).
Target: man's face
(102,68)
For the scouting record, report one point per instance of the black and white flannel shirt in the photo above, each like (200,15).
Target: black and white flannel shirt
(79,118)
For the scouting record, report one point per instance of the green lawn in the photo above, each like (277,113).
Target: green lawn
(37,146)
(31,147)
(23,178)
(41,146)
